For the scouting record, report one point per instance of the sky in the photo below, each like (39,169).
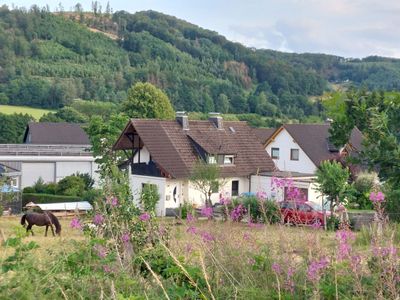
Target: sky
(349,28)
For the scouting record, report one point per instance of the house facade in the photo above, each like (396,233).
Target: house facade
(50,151)
(164,153)
(297,151)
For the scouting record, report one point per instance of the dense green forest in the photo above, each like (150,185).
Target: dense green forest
(47,60)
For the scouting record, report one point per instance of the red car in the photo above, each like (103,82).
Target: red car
(302,212)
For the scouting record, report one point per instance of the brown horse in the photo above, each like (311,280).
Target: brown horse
(45,219)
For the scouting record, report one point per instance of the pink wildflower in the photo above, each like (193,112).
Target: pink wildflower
(344,247)
(377,197)
(238,213)
(107,269)
(261,195)
(98,219)
(144,217)
(100,251)
(251,261)
(75,223)
(207,212)
(189,218)
(207,237)
(276,268)
(125,237)
(114,201)
(225,201)
(192,230)
(316,225)
(315,269)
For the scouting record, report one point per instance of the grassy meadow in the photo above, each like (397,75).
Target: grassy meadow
(204,259)
(37,113)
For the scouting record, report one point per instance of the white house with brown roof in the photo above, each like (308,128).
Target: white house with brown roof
(297,151)
(164,153)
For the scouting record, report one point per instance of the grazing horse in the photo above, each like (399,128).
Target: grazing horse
(45,219)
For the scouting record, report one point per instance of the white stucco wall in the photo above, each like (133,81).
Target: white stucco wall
(136,182)
(263,184)
(284,141)
(144,156)
(52,168)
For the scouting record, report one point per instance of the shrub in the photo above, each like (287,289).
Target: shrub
(39,185)
(149,197)
(71,186)
(29,190)
(50,188)
(45,198)
(260,209)
(91,195)
(362,188)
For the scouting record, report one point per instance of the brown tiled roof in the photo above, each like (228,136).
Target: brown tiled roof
(172,148)
(55,134)
(263,134)
(314,140)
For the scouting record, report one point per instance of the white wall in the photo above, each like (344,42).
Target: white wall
(52,168)
(136,182)
(284,141)
(263,184)
(144,156)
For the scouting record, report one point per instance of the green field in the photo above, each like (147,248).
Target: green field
(34,112)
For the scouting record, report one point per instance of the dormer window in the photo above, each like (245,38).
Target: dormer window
(211,159)
(229,159)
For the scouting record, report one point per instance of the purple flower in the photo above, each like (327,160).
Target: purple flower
(377,197)
(344,248)
(207,212)
(114,201)
(207,237)
(189,218)
(75,223)
(316,225)
(144,217)
(100,251)
(251,261)
(98,219)
(225,201)
(238,213)
(276,268)
(125,237)
(316,267)
(192,230)
(107,269)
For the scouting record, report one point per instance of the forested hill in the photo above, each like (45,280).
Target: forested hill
(46,60)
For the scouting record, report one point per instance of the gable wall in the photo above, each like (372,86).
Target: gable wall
(285,142)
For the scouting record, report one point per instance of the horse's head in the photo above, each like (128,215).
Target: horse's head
(58,230)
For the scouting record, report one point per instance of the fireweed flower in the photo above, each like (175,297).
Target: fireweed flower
(98,219)
(192,230)
(261,195)
(344,248)
(225,201)
(114,201)
(75,223)
(377,197)
(276,268)
(189,218)
(100,250)
(125,237)
(207,212)
(238,213)
(107,269)
(314,270)
(207,237)
(144,217)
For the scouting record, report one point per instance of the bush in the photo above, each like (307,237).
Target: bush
(46,198)
(71,186)
(91,195)
(39,186)
(29,190)
(149,197)
(50,188)
(261,210)
(363,186)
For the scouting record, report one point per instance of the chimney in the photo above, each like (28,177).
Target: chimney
(215,118)
(182,119)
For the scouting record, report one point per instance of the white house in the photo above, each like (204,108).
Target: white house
(50,151)
(297,150)
(164,153)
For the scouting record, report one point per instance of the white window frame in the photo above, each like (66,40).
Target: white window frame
(212,159)
(229,159)
(272,153)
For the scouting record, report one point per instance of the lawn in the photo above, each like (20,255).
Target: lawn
(204,259)
(37,113)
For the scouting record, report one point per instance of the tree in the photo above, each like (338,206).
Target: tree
(205,179)
(222,104)
(333,179)
(146,101)
(65,114)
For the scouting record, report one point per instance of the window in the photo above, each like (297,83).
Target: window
(275,153)
(294,154)
(235,187)
(212,159)
(228,159)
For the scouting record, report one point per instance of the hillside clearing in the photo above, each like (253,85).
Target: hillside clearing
(37,113)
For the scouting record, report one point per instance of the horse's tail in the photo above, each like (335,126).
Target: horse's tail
(23,220)
(55,221)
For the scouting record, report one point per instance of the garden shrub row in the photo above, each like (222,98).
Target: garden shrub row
(47,198)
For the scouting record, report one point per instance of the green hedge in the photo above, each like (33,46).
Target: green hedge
(47,198)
